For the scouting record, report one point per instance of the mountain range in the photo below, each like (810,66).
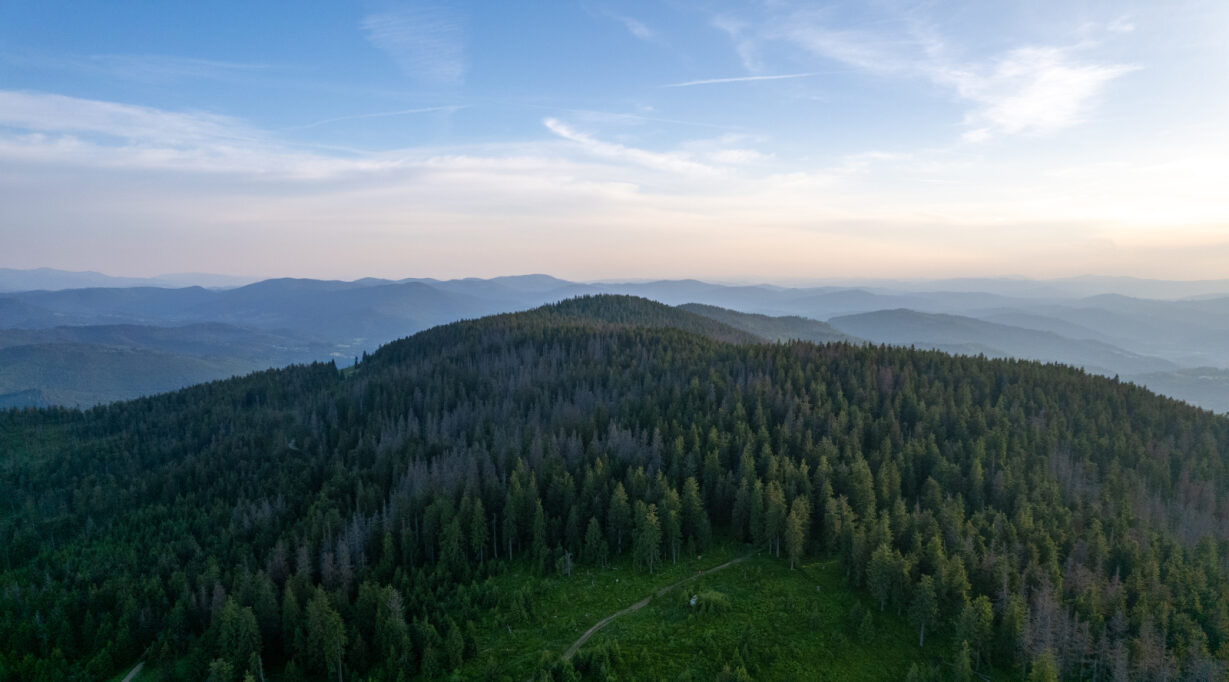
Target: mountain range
(59,343)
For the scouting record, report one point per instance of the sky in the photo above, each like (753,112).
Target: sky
(760,141)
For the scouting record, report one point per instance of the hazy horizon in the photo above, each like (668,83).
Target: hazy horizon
(724,280)
(19,279)
(638,141)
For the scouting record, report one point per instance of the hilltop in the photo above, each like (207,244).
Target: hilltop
(431,508)
(277,322)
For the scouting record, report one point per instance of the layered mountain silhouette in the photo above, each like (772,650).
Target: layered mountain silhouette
(195,333)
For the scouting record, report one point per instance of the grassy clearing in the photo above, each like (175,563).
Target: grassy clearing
(761,616)
(512,645)
(773,622)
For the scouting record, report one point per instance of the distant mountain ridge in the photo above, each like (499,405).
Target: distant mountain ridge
(83,366)
(786,328)
(331,319)
(51,279)
(955,333)
(82,375)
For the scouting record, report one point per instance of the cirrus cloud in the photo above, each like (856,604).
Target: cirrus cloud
(1031,89)
(426,41)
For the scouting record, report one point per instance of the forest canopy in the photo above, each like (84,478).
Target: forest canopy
(316,522)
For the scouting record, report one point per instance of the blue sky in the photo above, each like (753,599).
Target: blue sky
(762,140)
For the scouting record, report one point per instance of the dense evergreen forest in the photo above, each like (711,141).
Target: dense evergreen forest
(310,523)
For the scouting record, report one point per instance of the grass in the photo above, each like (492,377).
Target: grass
(563,608)
(778,624)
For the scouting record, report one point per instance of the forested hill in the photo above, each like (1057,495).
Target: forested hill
(307,522)
(602,311)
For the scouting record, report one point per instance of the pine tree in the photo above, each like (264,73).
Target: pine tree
(962,670)
(326,633)
(796,529)
(454,645)
(540,549)
(596,549)
(882,574)
(510,522)
(672,522)
(619,517)
(696,525)
(647,540)
(294,635)
(392,639)
(774,516)
(1044,669)
(924,607)
(478,534)
(238,635)
(1009,630)
(755,513)
(975,626)
(861,488)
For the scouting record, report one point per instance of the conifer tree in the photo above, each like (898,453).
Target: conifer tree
(596,549)
(647,540)
(619,517)
(924,607)
(796,526)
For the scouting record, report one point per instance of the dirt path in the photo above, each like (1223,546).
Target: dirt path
(133,673)
(567,655)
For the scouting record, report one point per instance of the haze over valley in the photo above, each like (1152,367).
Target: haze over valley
(79,347)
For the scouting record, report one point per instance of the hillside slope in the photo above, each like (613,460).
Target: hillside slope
(307,521)
(83,375)
(959,334)
(1207,387)
(1136,336)
(787,328)
(85,366)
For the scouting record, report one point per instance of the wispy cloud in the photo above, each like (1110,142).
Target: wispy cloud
(629,118)
(145,67)
(1123,24)
(168,68)
(741,79)
(672,163)
(860,49)
(739,157)
(380,114)
(744,44)
(1027,90)
(634,26)
(58,113)
(712,203)
(79,132)
(1034,90)
(426,41)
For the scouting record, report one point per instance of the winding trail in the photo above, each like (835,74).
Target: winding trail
(133,673)
(567,655)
